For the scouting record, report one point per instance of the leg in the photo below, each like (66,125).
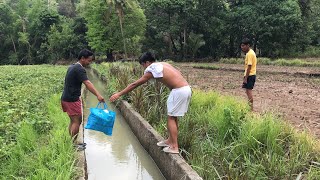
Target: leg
(75,122)
(173,133)
(250,98)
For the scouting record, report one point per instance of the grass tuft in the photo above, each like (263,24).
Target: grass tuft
(276,62)
(42,156)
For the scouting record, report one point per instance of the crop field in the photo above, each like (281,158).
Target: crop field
(34,140)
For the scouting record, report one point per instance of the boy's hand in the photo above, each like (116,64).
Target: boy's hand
(114,97)
(245,80)
(100,98)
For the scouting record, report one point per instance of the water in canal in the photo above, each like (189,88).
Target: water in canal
(116,157)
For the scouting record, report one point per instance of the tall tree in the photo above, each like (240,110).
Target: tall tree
(62,42)
(67,8)
(104,30)
(8,47)
(119,6)
(276,26)
(32,23)
(171,22)
(314,19)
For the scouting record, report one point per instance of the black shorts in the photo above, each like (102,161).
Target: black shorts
(250,82)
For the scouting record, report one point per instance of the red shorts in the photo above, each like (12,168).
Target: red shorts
(72,108)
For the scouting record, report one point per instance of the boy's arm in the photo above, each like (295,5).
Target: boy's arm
(250,60)
(247,74)
(93,90)
(131,86)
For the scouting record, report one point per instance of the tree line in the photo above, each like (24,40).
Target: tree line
(37,31)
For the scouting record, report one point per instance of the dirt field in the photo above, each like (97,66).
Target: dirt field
(278,89)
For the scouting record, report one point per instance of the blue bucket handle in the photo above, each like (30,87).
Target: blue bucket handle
(104,105)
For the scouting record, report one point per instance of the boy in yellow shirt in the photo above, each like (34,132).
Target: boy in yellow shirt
(249,78)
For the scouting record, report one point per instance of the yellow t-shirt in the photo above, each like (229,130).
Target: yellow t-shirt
(251,59)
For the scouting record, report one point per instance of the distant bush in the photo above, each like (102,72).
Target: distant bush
(311,51)
(232,60)
(206,66)
(276,62)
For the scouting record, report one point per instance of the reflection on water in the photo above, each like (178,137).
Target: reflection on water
(116,157)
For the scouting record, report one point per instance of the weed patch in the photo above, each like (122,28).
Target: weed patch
(276,62)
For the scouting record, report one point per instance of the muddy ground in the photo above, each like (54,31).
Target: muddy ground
(283,90)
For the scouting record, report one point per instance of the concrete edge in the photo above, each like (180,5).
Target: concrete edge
(172,166)
(81,162)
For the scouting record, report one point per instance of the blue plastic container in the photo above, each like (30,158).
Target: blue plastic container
(101,119)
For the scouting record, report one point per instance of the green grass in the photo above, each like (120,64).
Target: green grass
(220,138)
(42,156)
(24,92)
(311,51)
(33,129)
(206,66)
(277,62)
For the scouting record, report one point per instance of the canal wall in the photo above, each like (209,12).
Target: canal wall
(172,166)
(81,158)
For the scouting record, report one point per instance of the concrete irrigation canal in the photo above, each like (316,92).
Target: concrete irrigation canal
(128,154)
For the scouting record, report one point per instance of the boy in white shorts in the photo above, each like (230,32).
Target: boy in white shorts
(178,100)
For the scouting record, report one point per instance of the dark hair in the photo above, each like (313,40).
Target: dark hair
(246,41)
(85,53)
(147,56)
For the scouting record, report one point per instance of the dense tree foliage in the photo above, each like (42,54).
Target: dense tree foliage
(276,27)
(112,30)
(36,31)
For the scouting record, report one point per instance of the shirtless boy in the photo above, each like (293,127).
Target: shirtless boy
(178,100)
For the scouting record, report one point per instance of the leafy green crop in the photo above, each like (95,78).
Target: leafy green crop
(24,93)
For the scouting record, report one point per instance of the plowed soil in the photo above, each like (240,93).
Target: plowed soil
(288,91)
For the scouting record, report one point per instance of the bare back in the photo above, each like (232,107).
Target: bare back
(172,78)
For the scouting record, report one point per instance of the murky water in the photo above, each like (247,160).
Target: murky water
(116,157)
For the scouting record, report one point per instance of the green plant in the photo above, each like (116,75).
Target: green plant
(33,136)
(42,156)
(276,62)
(206,66)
